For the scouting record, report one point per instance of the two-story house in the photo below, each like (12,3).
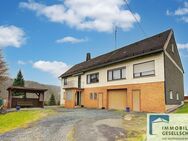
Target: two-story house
(144,76)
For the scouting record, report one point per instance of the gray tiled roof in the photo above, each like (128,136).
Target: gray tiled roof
(146,46)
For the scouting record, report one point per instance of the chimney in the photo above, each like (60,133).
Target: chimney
(88,56)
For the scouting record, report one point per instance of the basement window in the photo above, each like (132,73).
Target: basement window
(171,94)
(93,96)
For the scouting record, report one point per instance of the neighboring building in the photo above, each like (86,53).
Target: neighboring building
(144,76)
(186,99)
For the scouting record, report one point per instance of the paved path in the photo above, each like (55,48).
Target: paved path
(72,125)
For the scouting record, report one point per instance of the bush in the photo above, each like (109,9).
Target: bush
(52,100)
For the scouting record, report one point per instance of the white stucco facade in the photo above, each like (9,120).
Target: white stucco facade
(158,77)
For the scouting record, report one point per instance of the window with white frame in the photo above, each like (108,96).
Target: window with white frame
(68,95)
(171,94)
(116,74)
(93,96)
(92,78)
(177,96)
(144,69)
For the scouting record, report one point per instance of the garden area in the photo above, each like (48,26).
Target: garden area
(20,119)
(101,120)
(183,109)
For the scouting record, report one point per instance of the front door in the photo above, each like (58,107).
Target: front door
(78,98)
(100,100)
(136,100)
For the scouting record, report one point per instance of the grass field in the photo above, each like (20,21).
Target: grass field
(183,109)
(19,119)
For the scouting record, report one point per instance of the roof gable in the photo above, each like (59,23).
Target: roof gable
(174,55)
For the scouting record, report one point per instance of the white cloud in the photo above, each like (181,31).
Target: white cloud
(182,46)
(11,36)
(55,68)
(70,39)
(181,13)
(169,13)
(21,62)
(182,10)
(185,19)
(100,15)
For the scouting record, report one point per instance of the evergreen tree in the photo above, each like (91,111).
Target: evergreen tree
(52,100)
(19,81)
(3,68)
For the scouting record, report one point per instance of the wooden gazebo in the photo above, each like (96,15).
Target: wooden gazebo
(25,102)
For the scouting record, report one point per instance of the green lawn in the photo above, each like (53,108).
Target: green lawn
(19,119)
(183,109)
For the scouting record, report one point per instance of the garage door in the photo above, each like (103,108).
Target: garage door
(117,99)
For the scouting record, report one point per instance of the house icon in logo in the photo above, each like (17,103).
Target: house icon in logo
(157,119)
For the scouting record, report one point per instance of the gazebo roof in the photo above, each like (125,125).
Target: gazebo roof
(26,89)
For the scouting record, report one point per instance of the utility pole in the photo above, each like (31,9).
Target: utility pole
(115,37)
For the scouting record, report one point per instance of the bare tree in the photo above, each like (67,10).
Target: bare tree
(3,68)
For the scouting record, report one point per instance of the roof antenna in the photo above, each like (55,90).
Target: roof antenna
(115,36)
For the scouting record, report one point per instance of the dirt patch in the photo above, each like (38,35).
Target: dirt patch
(110,122)
(111,133)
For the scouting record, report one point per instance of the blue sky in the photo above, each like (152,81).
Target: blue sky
(45,38)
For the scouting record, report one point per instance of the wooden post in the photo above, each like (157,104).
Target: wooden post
(39,99)
(43,100)
(9,99)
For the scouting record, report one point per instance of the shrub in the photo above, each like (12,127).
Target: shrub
(52,100)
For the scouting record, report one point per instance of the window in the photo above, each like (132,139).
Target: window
(177,96)
(171,95)
(65,81)
(92,78)
(117,74)
(68,95)
(173,48)
(144,69)
(93,96)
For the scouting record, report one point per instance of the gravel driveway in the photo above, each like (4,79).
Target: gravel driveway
(74,125)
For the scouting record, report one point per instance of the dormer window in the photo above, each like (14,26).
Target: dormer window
(172,48)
